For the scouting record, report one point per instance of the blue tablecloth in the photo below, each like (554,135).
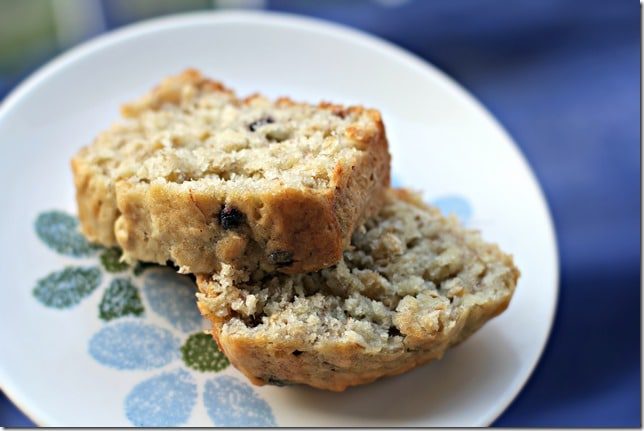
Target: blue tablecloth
(563,78)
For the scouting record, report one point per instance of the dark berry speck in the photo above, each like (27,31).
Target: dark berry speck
(277,382)
(281,258)
(394,331)
(259,123)
(230,217)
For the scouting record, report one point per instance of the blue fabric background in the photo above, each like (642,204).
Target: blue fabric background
(563,78)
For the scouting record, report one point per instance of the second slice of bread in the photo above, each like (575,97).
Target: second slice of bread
(412,284)
(196,176)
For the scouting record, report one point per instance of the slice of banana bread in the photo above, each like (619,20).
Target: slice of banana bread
(197,176)
(411,284)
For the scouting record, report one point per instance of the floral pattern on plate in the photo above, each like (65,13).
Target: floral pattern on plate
(128,341)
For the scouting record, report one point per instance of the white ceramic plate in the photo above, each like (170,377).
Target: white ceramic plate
(65,365)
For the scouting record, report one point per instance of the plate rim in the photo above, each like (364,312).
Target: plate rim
(322,26)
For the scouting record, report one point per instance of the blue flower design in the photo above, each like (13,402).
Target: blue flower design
(128,343)
(169,398)
(232,403)
(163,400)
(67,288)
(59,231)
(173,296)
(454,204)
(448,204)
(395,182)
(133,346)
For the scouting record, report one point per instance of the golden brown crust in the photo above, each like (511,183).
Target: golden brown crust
(170,91)
(168,221)
(97,208)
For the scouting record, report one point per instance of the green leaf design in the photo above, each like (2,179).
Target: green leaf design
(201,353)
(59,231)
(120,299)
(110,260)
(66,288)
